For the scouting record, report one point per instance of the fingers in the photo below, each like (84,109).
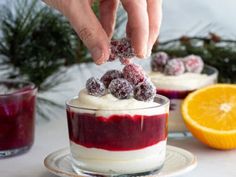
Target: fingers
(108,15)
(138,27)
(154,8)
(87,26)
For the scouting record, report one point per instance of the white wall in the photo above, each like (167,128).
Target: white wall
(191,16)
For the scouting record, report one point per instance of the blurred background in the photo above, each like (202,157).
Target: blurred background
(38,44)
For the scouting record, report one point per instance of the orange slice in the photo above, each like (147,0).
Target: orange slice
(210,115)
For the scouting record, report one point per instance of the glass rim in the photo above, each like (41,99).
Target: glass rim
(166,102)
(30,87)
(214,69)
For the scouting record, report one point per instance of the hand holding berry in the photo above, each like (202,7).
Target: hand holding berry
(144,19)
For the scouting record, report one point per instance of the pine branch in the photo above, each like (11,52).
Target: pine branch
(36,41)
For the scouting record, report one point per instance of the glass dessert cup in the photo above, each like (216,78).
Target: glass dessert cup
(176,96)
(17,117)
(118,142)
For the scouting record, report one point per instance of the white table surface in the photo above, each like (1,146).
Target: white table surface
(53,135)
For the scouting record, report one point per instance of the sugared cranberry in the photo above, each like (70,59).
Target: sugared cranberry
(113,47)
(144,91)
(112,57)
(120,88)
(95,87)
(124,49)
(133,73)
(193,64)
(159,61)
(110,75)
(121,49)
(174,67)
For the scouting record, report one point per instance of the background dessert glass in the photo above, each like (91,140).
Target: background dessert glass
(118,142)
(177,95)
(17,117)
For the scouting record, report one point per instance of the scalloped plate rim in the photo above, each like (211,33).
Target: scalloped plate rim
(66,152)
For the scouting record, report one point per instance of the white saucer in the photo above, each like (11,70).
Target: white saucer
(178,161)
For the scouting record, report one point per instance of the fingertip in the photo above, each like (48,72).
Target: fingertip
(140,48)
(100,54)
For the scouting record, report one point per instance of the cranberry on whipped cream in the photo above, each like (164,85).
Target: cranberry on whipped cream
(118,125)
(109,135)
(175,78)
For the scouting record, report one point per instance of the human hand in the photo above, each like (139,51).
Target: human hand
(144,19)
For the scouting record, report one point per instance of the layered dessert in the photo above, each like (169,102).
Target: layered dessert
(175,78)
(17,111)
(118,125)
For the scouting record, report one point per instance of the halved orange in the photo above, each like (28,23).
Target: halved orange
(210,115)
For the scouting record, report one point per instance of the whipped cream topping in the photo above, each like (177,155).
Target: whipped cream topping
(108,104)
(186,81)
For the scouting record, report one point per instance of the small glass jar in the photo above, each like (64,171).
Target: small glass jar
(17,117)
(176,123)
(118,142)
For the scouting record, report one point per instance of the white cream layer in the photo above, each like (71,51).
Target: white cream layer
(108,105)
(122,162)
(186,81)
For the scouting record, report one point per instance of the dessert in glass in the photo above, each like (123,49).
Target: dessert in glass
(17,117)
(118,125)
(177,77)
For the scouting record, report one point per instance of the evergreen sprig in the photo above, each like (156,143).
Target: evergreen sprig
(35,42)
(215,51)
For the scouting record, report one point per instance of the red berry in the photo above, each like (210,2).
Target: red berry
(121,49)
(110,75)
(193,64)
(125,49)
(133,73)
(174,67)
(144,91)
(95,87)
(121,88)
(112,57)
(113,47)
(159,61)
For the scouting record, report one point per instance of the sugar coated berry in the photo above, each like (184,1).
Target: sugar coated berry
(120,88)
(124,49)
(113,47)
(121,49)
(174,67)
(110,75)
(133,73)
(144,91)
(95,87)
(159,61)
(193,64)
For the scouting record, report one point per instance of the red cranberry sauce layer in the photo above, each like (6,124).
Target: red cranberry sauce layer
(17,121)
(117,132)
(173,94)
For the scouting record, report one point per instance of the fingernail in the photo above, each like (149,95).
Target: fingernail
(142,54)
(96,53)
